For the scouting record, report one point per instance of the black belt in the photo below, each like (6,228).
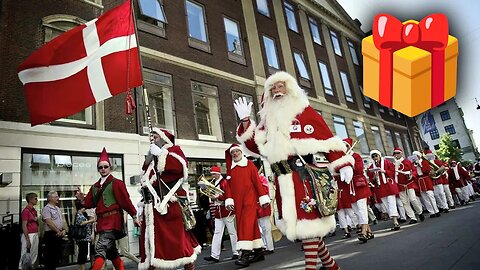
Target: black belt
(292,164)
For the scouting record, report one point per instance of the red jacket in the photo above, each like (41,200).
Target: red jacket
(359,182)
(462,173)
(406,181)
(385,185)
(424,181)
(267,211)
(122,198)
(442,180)
(219,203)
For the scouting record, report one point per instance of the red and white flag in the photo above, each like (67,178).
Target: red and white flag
(81,67)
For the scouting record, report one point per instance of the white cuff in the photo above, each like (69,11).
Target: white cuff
(264,199)
(229,201)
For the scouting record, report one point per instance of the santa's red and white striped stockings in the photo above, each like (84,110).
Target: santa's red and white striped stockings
(189,266)
(315,248)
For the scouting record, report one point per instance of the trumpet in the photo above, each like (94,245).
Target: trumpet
(435,171)
(350,151)
(207,188)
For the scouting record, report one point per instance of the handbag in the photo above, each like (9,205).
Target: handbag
(77,232)
(188,218)
(26,261)
(326,194)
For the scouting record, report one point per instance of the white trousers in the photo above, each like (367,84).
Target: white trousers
(342,217)
(471,192)
(429,201)
(33,249)
(220,224)
(391,204)
(361,211)
(440,196)
(463,193)
(266,230)
(400,207)
(448,195)
(409,199)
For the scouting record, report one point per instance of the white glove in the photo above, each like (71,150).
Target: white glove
(346,174)
(242,107)
(155,150)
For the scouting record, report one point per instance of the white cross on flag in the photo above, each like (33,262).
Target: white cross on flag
(81,67)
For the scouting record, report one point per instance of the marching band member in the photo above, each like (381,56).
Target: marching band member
(425,185)
(404,176)
(438,188)
(381,173)
(223,218)
(264,219)
(458,176)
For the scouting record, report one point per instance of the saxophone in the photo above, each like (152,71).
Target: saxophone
(435,171)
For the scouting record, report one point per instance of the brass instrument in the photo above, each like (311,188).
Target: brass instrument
(207,188)
(435,171)
(350,151)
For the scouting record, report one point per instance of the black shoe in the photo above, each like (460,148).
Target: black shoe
(452,207)
(257,256)
(395,227)
(433,216)
(401,220)
(346,235)
(211,259)
(267,252)
(332,234)
(422,217)
(438,214)
(412,221)
(362,237)
(244,261)
(235,257)
(375,222)
(445,211)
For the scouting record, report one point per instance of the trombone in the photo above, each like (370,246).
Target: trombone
(435,171)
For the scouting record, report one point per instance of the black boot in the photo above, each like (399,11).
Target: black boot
(257,255)
(244,261)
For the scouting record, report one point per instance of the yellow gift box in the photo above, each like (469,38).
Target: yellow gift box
(412,73)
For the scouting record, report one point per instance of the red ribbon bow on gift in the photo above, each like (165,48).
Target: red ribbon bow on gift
(430,34)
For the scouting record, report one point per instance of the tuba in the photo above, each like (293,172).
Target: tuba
(435,171)
(207,188)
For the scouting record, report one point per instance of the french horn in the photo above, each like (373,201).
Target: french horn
(207,188)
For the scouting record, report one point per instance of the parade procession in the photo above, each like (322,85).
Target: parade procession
(238,134)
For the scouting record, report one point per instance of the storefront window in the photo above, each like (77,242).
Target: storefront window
(44,171)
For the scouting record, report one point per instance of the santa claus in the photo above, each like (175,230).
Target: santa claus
(290,128)
(425,184)
(165,242)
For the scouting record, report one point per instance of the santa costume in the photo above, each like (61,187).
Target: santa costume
(405,174)
(438,188)
(458,176)
(425,185)
(264,222)
(290,127)
(164,242)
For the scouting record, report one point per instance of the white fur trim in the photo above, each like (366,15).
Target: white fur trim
(184,165)
(234,148)
(281,76)
(249,245)
(229,201)
(375,151)
(163,136)
(347,159)
(242,163)
(417,153)
(247,152)
(312,146)
(162,161)
(307,229)
(264,199)
(248,133)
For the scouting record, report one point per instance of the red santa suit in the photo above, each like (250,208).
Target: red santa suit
(246,193)
(359,190)
(425,185)
(264,214)
(438,189)
(290,127)
(458,177)
(385,187)
(164,243)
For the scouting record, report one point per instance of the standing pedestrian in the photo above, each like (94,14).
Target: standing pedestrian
(54,231)
(29,238)
(264,222)
(82,219)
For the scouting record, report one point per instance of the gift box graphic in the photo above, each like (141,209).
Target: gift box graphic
(411,66)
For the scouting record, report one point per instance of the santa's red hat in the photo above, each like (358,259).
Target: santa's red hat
(348,141)
(215,170)
(104,157)
(427,151)
(168,137)
(452,161)
(228,156)
(397,149)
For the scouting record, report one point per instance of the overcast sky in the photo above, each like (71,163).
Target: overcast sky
(464,24)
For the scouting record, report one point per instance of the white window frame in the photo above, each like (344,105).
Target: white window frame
(194,42)
(364,148)
(336,43)
(234,56)
(263,3)
(377,135)
(290,10)
(353,53)
(367,102)
(298,56)
(389,136)
(314,28)
(337,122)
(327,83)
(217,132)
(346,87)
(271,67)
(150,24)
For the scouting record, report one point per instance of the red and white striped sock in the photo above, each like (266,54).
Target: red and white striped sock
(310,247)
(189,266)
(325,257)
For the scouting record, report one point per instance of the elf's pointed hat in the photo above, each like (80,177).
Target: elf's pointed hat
(168,137)
(104,157)
(228,156)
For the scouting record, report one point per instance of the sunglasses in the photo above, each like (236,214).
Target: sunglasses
(396,153)
(103,167)
(374,155)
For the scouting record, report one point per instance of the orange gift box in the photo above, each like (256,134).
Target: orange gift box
(411,75)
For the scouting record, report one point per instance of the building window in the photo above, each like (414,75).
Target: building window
(54,26)
(362,139)
(346,87)
(339,126)
(398,138)
(290,14)
(367,102)
(407,144)
(152,17)
(445,115)
(160,98)
(325,78)
(314,31)
(262,7)
(336,43)
(378,139)
(455,143)
(381,108)
(450,129)
(434,134)
(207,113)
(353,52)
(301,66)
(390,143)
(236,95)
(271,53)
(234,41)
(197,26)
(436,147)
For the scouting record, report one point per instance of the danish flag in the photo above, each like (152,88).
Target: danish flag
(81,67)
